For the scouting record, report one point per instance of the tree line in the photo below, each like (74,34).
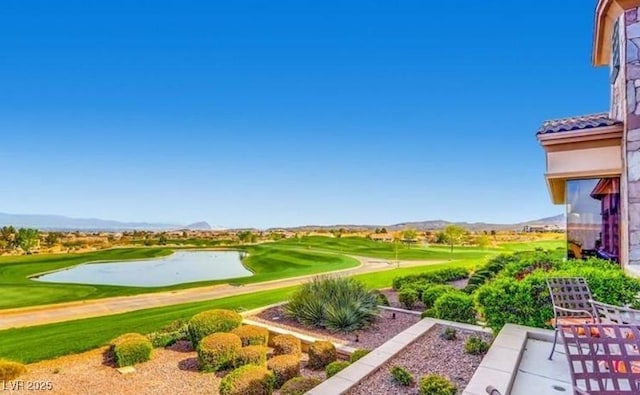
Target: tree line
(24,238)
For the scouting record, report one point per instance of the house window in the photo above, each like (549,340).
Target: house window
(593,218)
(615,52)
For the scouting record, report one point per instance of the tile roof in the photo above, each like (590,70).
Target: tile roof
(577,123)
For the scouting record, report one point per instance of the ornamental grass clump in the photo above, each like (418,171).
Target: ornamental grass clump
(10,370)
(284,368)
(401,376)
(252,355)
(212,321)
(335,303)
(286,344)
(248,380)
(321,353)
(299,385)
(218,351)
(252,335)
(131,348)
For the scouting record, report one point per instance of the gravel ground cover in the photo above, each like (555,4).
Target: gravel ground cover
(173,370)
(427,355)
(384,329)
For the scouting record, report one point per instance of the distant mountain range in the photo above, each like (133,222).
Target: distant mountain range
(558,220)
(59,222)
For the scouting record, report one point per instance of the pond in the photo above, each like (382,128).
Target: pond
(180,267)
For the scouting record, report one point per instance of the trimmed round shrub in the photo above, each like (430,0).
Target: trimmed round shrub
(284,368)
(321,353)
(287,344)
(10,370)
(131,348)
(334,367)
(299,385)
(401,376)
(455,306)
(434,384)
(357,354)
(218,351)
(252,355)
(248,380)
(252,335)
(408,297)
(431,294)
(212,321)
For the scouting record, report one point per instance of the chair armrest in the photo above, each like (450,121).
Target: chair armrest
(589,313)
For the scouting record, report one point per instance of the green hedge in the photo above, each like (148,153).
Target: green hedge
(284,368)
(177,330)
(436,276)
(431,294)
(455,306)
(519,294)
(321,353)
(335,367)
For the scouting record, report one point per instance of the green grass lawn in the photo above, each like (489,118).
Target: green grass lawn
(366,247)
(48,341)
(269,261)
(266,262)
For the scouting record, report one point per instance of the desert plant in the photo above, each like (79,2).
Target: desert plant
(284,368)
(449,333)
(434,384)
(334,367)
(252,355)
(335,303)
(299,385)
(428,313)
(248,380)
(131,348)
(357,354)
(401,376)
(218,351)
(476,346)
(455,306)
(252,335)
(10,370)
(321,353)
(408,297)
(431,294)
(212,321)
(286,344)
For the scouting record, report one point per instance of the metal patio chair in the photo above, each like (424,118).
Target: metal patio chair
(616,315)
(572,303)
(603,358)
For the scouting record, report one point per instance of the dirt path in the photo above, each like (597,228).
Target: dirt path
(45,314)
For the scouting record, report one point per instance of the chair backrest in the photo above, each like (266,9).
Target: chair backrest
(603,359)
(570,293)
(610,314)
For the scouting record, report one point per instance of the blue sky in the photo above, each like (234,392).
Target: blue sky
(274,113)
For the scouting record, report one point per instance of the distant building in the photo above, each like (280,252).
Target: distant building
(541,228)
(388,237)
